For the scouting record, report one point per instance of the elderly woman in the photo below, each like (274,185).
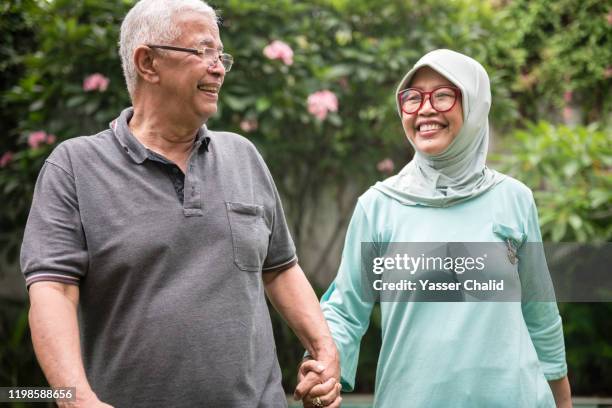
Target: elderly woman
(448,354)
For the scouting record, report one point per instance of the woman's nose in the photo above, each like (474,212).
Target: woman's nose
(426,107)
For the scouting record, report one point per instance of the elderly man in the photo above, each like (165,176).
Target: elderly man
(163,236)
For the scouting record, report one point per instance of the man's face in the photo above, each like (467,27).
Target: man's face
(431,131)
(189,85)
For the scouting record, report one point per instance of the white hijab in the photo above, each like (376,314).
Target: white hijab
(459,172)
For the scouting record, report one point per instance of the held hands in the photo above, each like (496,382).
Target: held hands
(318,383)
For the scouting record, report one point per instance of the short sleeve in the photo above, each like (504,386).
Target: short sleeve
(539,308)
(346,310)
(281,249)
(54,247)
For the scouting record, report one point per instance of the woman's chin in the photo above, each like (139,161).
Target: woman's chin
(430,147)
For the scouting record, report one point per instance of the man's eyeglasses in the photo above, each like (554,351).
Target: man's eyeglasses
(211,55)
(441,99)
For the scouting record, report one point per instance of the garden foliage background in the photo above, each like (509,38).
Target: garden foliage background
(319,105)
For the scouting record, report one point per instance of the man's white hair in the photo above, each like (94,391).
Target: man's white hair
(151,22)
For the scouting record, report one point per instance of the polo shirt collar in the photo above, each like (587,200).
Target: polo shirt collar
(132,146)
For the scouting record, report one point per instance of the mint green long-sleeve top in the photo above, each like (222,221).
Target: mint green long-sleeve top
(449,354)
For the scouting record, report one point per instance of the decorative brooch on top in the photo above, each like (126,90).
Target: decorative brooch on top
(511,252)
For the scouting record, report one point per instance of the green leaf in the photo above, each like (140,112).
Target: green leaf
(37,105)
(238,104)
(262,104)
(599,197)
(570,169)
(75,101)
(575,221)
(558,231)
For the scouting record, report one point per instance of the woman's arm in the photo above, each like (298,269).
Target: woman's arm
(541,313)
(346,311)
(562,393)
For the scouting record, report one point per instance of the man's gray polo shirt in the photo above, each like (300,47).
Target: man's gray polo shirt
(172,305)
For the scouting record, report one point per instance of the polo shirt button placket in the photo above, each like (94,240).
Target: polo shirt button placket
(192,190)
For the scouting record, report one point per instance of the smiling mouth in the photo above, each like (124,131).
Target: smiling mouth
(209,89)
(427,129)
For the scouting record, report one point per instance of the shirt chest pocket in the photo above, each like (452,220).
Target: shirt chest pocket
(250,235)
(513,239)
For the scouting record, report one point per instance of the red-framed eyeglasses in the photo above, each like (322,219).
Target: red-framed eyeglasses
(441,99)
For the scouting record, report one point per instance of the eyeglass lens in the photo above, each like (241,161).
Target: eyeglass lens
(212,55)
(441,99)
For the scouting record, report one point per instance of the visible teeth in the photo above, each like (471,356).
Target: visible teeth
(430,126)
(208,89)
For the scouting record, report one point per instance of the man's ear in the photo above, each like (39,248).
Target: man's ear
(145,64)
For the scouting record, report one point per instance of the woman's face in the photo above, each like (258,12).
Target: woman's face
(432,131)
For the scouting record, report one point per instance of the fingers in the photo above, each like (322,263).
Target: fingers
(310,380)
(327,392)
(336,403)
(308,377)
(327,402)
(328,387)
(311,365)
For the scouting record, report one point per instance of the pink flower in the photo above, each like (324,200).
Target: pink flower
(95,82)
(5,159)
(40,137)
(322,102)
(567,96)
(280,51)
(249,125)
(36,138)
(385,166)
(610,17)
(608,72)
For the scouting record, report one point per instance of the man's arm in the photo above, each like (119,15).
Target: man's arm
(293,297)
(55,335)
(561,391)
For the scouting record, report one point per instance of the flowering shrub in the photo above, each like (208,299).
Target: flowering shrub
(280,51)
(40,137)
(556,48)
(386,166)
(95,82)
(249,125)
(321,103)
(6,158)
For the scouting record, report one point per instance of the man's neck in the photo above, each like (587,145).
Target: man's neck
(163,136)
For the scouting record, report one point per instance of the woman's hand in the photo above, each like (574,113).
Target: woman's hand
(318,384)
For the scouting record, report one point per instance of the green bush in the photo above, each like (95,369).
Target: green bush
(569,169)
(555,53)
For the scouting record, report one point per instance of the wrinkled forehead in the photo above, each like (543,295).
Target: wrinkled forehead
(199,29)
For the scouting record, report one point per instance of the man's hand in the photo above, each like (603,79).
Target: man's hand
(319,383)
